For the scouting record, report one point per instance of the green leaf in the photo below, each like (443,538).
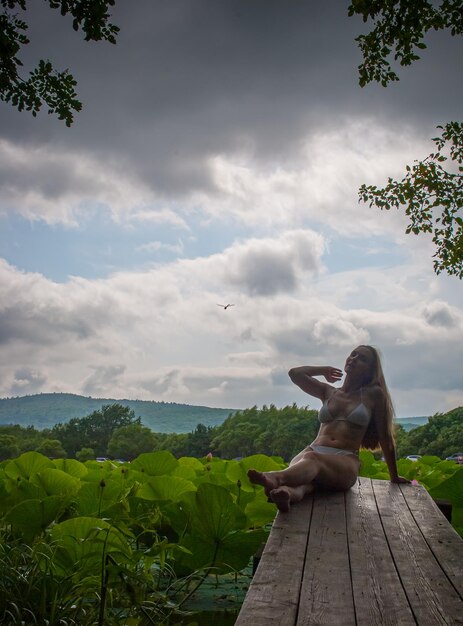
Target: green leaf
(155,463)
(260,512)
(95,498)
(81,543)
(71,467)
(32,517)
(232,553)
(27,464)
(165,488)
(450,489)
(55,482)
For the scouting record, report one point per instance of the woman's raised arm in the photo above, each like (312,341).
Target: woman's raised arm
(304,377)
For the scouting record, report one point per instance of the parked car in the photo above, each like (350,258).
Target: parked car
(102,459)
(414,457)
(457,457)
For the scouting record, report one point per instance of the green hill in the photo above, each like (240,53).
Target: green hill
(47,409)
(44,410)
(409,423)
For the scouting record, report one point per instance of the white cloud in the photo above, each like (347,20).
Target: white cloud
(62,186)
(158,334)
(253,154)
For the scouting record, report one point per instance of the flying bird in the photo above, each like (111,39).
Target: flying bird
(225,306)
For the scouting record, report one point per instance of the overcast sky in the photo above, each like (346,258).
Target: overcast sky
(217,160)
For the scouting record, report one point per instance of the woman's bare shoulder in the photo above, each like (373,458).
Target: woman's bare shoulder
(374,392)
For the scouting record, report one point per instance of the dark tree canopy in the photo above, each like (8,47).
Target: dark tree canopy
(95,430)
(45,85)
(431,193)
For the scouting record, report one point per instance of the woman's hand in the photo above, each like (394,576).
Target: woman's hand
(332,374)
(400,480)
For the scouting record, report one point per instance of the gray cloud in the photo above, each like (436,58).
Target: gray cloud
(102,377)
(27,381)
(238,111)
(441,314)
(257,75)
(271,266)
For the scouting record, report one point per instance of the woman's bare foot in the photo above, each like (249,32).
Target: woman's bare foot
(282,498)
(265,479)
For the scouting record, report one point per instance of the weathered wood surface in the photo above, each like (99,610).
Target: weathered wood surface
(380,554)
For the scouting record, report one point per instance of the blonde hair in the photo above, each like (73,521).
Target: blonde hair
(371,439)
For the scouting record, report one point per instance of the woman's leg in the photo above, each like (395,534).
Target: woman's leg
(284,496)
(309,469)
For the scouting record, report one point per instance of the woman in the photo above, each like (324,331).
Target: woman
(359,413)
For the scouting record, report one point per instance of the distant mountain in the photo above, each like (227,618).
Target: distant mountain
(44,410)
(409,423)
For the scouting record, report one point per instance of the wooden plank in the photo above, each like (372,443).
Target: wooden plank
(432,598)
(326,593)
(273,596)
(443,540)
(379,597)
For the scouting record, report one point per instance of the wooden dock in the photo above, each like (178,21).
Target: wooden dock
(378,554)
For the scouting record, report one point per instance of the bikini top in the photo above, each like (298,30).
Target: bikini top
(360,415)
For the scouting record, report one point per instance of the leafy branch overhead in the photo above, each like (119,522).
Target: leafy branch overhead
(44,85)
(431,194)
(433,199)
(399,29)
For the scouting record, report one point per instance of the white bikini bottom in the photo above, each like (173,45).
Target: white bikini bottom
(329,450)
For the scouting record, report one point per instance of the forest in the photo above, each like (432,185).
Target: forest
(115,432)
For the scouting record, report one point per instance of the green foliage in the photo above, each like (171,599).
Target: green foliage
(281,432)
(51,448)
(441,436)
(24,439)
(106,543)
(95,430)
(433,199)
(442,479)
(431,194)
(9,447)
(85,454)
(45,85)
(127,442)
(399,30)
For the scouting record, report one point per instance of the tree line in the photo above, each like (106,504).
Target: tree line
(114,431)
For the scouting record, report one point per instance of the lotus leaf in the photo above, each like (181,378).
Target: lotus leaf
(231,553)
(213,513)
(155,463)
(217,479)
(429,460)
(95,498)
(260,512)
(81,543)
(187,472)
(192,462)
(27,464)
(20,490)
(126,475)
(450,489)
(55,482)
(96,471)
(71,467)
(144,514)
(32,517)
(165,488)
